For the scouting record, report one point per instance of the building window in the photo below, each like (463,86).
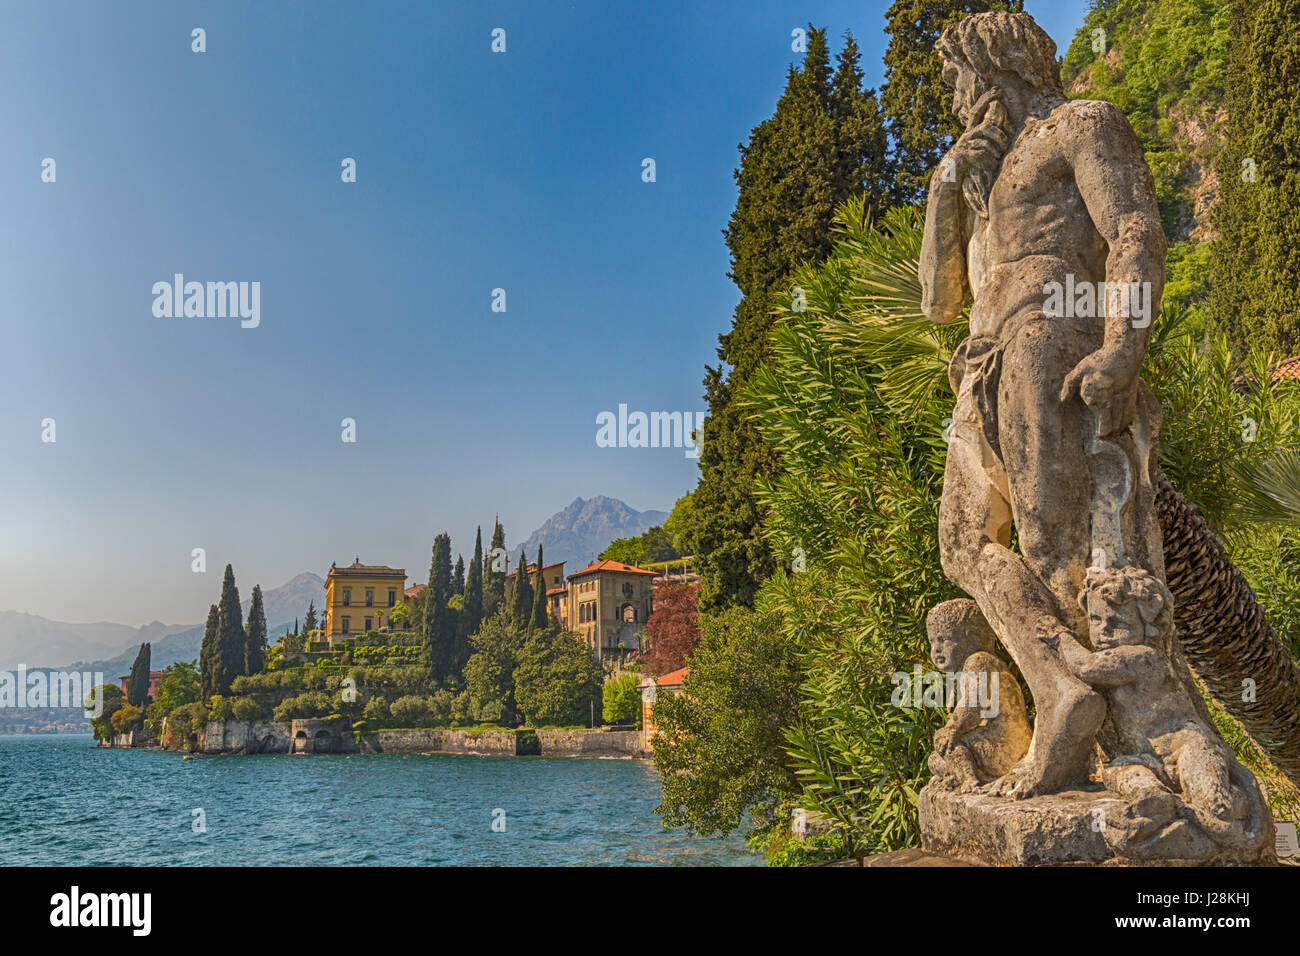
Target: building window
(392,598)
(370,597)
(347,597)
(370,624)
(627,590)
(346,622)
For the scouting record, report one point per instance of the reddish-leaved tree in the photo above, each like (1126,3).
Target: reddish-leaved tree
(672,631)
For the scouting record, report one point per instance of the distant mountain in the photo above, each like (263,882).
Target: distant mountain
(39,642)
(583,529)
(290,599)
(182,643)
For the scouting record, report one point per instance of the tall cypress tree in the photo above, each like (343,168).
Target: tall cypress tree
(823,144)
(230,634)
(458,579)
(539,593)
(438,627)
(521,595)
(137,685)
(494,577)
(917,105)
(255,636)
(1255,262)
(473,605)
(210,654)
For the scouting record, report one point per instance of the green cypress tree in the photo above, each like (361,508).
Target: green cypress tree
(458,579)
(521,595)
(862,161)
(438,628)
(137,685)
(539,593)
(310,624)
(917,106)
(823,143)
(255,636)
(210,654)
(494,572)
(473,607)
(230,634)
(1255,262)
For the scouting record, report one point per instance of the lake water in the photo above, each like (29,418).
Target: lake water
(63,801)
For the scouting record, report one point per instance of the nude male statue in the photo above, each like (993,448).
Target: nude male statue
(1038,190)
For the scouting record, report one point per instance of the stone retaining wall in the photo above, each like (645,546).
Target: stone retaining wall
(277,737)
(591,743)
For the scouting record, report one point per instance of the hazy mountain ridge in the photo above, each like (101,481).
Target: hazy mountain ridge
(106,646)
(579,532)
(39,642)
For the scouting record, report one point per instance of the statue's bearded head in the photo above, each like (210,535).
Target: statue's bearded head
(985,50)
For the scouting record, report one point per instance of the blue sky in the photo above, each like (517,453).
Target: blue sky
(475,171)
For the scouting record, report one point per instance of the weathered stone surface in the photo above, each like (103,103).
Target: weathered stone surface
(913,858)
(1074,826)
(1043,212)
(591,743)
(440,740)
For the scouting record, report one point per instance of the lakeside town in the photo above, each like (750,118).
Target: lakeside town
(481,648)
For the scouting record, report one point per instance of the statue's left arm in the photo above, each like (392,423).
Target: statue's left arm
(1117,188)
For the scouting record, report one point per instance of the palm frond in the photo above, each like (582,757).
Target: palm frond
(1270,489)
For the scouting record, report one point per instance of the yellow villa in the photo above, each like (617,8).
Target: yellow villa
(360,598)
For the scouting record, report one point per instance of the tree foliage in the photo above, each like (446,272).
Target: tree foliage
(255,637)
(1256,263)
(915,103)
(137,685)
(230,635)
(557,680)
(672,632)
(719,744)
(824,143)
(621,700)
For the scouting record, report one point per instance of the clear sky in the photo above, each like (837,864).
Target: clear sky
(475,171)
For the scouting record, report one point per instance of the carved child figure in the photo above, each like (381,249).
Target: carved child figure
(1166,744)
(981,741)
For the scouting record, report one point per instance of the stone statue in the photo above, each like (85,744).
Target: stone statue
(982,740)
(1043,213)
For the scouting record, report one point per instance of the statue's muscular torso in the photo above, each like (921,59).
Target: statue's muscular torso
(1038,228)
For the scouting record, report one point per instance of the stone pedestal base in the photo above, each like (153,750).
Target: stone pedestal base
(1078,826)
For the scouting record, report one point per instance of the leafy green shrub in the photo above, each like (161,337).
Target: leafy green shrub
(304,706)
(376,709)
(246,708)
(219,707)
(411,710)
(127,718)
(621,700)
(815,849)
(557,681)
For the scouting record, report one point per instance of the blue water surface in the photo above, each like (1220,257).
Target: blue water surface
(65,802)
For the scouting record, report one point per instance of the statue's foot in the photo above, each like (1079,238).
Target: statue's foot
(1009,784)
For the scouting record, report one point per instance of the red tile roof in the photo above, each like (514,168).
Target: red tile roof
(671,679)
(608,565)
(1287,368)
(554,591)
(414,590)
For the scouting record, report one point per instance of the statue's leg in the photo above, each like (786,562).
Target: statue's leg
(1034,593)
(974,538)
